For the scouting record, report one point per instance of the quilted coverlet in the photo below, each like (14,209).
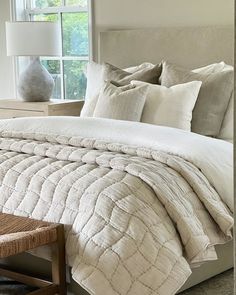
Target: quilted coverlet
(136,219)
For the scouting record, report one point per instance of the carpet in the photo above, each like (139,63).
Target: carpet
(222,284)
(219,285)
(11,289)
(15,290)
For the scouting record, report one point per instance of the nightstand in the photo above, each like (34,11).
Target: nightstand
(14,108)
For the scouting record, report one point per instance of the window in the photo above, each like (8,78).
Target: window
(68,69)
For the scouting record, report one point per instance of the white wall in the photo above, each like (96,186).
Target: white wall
(6,64)
(120,14)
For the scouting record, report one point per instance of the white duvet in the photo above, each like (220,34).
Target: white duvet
(213,157)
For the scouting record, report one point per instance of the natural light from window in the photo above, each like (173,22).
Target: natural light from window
(68,69)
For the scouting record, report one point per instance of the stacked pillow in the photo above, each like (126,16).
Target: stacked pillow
(200,100)
(171,106)
(121,103)
(213,99)
(98,74)
(226,131)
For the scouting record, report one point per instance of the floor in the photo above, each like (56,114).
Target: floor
(219,285)
(222,284)
(14,289)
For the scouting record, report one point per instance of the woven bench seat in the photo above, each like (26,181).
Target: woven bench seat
(20,234)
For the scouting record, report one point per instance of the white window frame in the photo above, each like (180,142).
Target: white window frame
(25,11)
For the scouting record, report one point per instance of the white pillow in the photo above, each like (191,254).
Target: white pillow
(94,73)
(170,106)
(140,67)
(206,69)
(97,73)
(209,69)
(121,103)
(227,67)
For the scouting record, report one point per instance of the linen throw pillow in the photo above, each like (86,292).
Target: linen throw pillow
(97,74)
(121,103)
(213,97)
(172,106)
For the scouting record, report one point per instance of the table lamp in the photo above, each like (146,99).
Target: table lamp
(34,39)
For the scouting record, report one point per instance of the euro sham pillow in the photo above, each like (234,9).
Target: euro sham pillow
(213,99)
(170,107)
(121,77)
(227,129)
(97,74)
(121,103)
(145,65)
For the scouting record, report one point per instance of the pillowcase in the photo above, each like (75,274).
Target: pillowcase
(227,129)
(97,74)
(121,77)
(172,106)
(213,97)
(121,103)
(142,66)
(212,68)
(94,73)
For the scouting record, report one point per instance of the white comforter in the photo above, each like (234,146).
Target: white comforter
(213,157)
(138,212)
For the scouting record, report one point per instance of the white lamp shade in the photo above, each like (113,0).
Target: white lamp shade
(33,39)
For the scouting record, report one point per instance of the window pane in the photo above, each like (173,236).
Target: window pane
(53,66)
(75,34)
(74,79)
(82,3)
(46,3)
(53,17)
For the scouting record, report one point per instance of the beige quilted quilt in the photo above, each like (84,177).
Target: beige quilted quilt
(136,219)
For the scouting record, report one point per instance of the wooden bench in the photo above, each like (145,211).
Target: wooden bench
(20,234)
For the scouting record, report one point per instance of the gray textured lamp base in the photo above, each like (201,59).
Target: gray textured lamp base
(35,83)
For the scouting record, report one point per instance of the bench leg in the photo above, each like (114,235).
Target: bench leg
(58,262)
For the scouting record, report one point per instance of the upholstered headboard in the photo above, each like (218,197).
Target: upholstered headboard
(188,46)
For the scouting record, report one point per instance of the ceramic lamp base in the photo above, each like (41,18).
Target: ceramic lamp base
(35,83)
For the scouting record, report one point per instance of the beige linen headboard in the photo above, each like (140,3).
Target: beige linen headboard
(187,46)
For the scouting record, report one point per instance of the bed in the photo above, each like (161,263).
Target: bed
(170,151)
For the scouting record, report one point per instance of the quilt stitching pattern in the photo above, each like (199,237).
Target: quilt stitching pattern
(128,212)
